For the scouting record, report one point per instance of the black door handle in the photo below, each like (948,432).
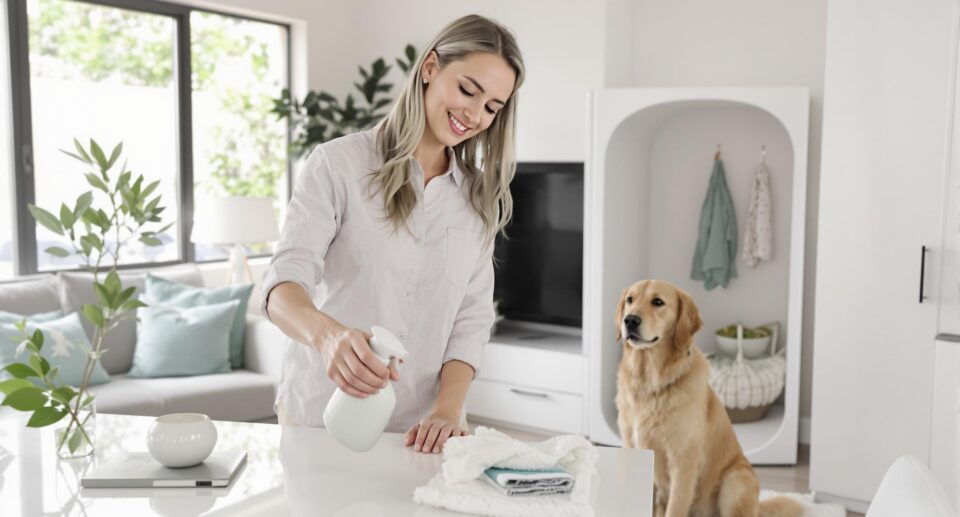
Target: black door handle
(27,159)
(923,264)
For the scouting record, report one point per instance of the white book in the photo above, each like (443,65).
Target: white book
(140,470)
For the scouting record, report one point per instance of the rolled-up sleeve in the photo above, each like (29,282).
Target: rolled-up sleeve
(313,219)
(475,318)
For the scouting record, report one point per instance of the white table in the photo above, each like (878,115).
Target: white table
(290,471)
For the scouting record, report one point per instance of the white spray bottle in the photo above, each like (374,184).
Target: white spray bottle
(358,422)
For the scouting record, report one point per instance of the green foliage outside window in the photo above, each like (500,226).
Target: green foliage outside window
(75,40)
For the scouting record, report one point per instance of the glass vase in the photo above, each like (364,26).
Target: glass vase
(76,438)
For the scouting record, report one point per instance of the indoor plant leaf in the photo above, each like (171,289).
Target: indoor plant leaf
(10,385)
(20,370)
(26,399)
(45,218)
(74,442)
(45,416)
(57,251)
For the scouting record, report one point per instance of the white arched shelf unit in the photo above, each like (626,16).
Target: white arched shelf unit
(648,163)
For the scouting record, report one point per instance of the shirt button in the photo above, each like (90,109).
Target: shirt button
(409,293)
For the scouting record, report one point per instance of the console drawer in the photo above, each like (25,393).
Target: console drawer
(529,407)
(542,369)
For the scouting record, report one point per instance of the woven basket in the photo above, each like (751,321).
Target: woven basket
(748,388)
(750,414)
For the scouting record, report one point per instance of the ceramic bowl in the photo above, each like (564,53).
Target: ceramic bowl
(181,439)
(753,348)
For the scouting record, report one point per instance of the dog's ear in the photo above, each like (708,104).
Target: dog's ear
(618,319)
(688,321)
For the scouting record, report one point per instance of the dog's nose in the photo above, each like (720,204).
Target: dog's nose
(632,321)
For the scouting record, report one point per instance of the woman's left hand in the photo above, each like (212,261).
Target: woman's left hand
(432,432)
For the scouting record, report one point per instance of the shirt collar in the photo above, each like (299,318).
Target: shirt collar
(453,170)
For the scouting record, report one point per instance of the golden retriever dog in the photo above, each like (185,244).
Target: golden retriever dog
(666,404)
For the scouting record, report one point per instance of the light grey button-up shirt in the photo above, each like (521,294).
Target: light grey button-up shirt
(432,286)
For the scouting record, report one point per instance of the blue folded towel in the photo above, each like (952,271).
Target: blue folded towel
(529,482)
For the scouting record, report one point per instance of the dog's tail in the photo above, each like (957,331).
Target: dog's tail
(780,506)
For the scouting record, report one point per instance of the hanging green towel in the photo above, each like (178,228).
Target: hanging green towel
(714,259)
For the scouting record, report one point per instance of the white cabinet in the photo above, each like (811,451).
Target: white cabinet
(944,450)
(650,153)
(945,422)
(532,377)
(526,406)
(886,104)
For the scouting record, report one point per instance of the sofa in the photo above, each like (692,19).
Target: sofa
(242,395)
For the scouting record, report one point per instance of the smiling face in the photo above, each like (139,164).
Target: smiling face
(651,312)
(462,99)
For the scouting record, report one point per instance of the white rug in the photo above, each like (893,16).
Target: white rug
(813,509)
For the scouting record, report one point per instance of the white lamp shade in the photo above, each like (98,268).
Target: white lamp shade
(234,220)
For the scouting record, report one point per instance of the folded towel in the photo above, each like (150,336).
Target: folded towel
(529,482)
(459,485)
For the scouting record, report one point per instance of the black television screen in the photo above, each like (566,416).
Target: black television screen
(539,268)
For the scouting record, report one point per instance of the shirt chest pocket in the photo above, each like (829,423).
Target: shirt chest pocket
(463,248)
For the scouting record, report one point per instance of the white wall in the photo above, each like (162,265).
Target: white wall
(572,46)
(562,49)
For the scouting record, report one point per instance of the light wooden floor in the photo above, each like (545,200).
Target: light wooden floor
(781,479)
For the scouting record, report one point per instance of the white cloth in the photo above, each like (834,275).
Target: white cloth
(758,239)
(432,286)
(457,486)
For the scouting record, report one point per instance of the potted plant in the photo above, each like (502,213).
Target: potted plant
(94,234)
(321,112)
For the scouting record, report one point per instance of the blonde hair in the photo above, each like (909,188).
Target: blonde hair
(399,132)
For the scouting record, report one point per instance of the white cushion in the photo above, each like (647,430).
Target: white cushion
(129,397)
(909,489)
(239,396)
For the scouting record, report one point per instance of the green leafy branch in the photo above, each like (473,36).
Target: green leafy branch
(37,387)
(132,209)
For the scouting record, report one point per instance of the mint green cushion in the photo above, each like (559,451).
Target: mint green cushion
(167,292)
(64,345)
(177,341)
(12,317)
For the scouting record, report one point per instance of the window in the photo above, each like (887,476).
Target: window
(194,116)
(105,74)
(239,148)
(7,206)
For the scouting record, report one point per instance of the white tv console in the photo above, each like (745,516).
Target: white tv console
(533,377)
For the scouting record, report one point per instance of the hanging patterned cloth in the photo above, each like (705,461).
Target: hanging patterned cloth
(758,239)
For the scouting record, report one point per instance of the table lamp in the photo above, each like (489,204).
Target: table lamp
(235,221)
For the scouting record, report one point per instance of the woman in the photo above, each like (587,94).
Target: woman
(394,226)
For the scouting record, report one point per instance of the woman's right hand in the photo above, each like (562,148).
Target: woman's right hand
(351,363)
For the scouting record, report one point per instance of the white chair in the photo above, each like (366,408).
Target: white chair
(910,489)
